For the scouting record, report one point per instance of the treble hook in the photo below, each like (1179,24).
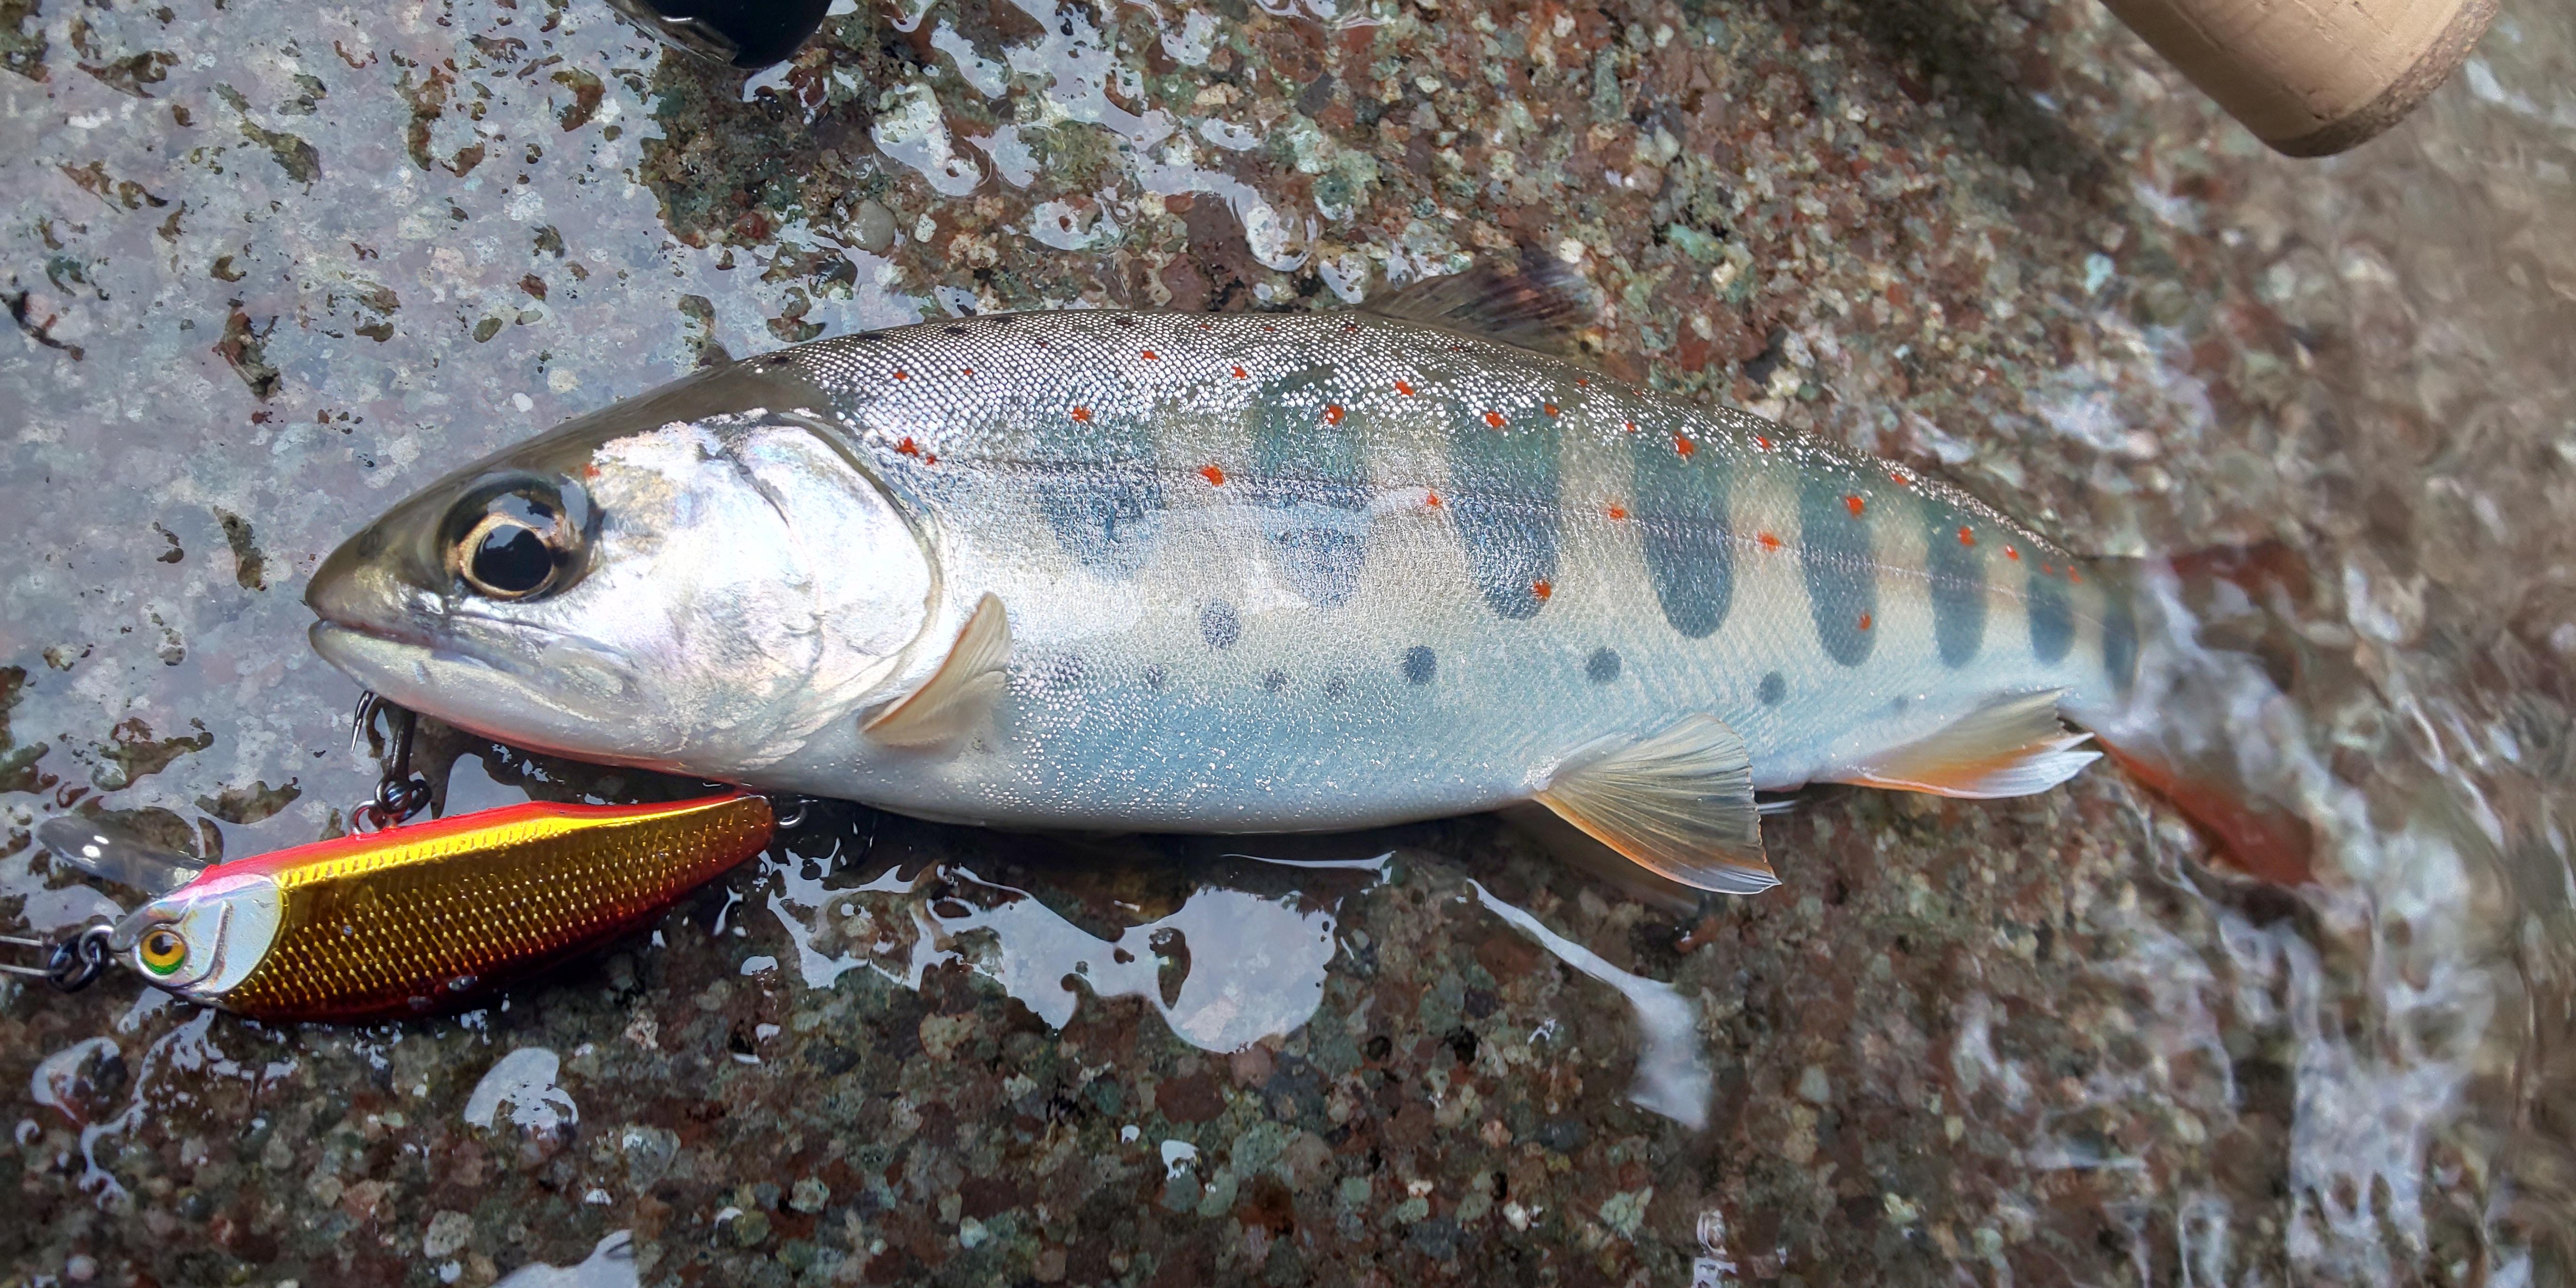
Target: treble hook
(789,812)
(399,795)
(70,964)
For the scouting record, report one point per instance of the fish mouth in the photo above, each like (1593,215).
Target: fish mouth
(515,700)
(363,649)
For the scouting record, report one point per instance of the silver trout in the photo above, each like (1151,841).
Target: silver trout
(1236,573)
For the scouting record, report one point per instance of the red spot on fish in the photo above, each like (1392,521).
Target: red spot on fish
(1768,541)
(1431,499)
(1541,590)
(1761,442)
(1864,621)
(1855,504)
(1082,414)
(1270,330)
(1967,538)
(1333,414)
(2073,576)
(903,375)
(930,458)
(1581,383)
(908,447)
(1239,375)
(1618,512)
(2046,571)
(1902,478)
(1494,418)
(966,371)
(1148,355)
(1215,475)
(1207,326)
(1404,389)
(590,471)
(2012,554)
(1629,425)
(1549,408)
(1683,446)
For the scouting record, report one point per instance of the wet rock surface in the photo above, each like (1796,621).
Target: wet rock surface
(269,271)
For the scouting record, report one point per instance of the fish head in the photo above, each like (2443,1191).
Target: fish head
(206,937)
(697,594)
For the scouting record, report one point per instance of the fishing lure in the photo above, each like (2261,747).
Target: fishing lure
(413,918)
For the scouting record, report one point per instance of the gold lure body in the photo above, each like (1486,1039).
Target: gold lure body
(413,918)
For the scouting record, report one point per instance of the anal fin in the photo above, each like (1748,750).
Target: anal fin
(1679,802)
(960,692)
(2013,746)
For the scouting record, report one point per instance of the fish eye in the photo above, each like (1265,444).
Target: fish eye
(162,949)
(507,559)
(513,543)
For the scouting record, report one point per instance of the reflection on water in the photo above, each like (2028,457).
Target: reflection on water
(525,1081)
(1258,969)
(1672,1071)
(610,1265)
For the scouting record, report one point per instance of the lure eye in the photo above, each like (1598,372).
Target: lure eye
(162,950)
(514,541)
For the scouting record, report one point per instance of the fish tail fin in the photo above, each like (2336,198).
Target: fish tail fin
(2201,659)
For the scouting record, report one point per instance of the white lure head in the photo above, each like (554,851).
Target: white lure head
(204,938)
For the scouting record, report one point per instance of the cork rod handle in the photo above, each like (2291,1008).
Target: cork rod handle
(2312,77)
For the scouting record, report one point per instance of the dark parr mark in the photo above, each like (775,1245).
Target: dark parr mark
(1336,687)
(1602,667)
(1683,531)
(1957,572)
(1156,677)
(1100,492)
(1420,664)
(1503,492)
(1064,672)
(1273,681)
(2052,618)
(1105,518)
(1312,487)
(2119,638)
(1773,689)
(1842,585)
(1219,625)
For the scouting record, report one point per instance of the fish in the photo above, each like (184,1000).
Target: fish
(1242,572)
(422,917)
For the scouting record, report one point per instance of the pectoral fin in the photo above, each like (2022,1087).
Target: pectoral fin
(961,692)
(2011,747)
(1679,801)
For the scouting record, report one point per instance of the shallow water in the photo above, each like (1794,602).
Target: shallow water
(273,273)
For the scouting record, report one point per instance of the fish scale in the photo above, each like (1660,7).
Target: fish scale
(1254,572)
(987,452)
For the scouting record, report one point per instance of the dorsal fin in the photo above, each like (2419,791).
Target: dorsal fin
(1540,303)
(960,692)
